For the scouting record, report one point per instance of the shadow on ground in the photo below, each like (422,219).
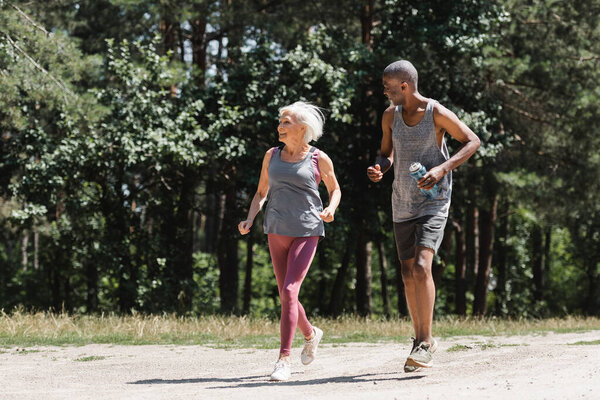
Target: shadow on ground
(263,380)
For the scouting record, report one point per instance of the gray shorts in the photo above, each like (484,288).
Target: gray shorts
(426,231)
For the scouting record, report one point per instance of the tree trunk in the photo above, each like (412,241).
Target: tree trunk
(24,245)
(472,231)
(402,307)
(199,46)
(183,246)
(181,44)
(363,275)
(214,211)
(36,253)
(502,264)
(366,20)
(227,254)
(537,262)
(91,277)
(52,269)
(437,268)
(168,28)
(323,266)
(337,292)
(384,289)
(248,277)
(547,246)
(460,273)
(591,259)
(487,224)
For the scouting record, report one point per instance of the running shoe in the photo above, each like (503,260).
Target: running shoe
(282,371)
(421,356)
(309,352)
(409,366)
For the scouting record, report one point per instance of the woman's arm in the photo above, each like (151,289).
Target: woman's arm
(333,187)
(259,197)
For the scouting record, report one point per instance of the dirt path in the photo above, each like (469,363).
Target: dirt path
(516,367)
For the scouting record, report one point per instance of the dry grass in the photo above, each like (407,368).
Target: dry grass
(26,329)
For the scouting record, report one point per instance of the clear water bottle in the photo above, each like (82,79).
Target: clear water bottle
(417,171)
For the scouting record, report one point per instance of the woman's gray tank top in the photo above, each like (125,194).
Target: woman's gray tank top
(417,144)
(294,203)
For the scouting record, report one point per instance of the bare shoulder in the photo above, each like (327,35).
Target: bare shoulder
(268,155)
(323,157)
(388,116)
(389,112)
(440,110)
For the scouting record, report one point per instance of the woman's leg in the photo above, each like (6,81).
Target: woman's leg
(291,260)
(300,256)
(279,247)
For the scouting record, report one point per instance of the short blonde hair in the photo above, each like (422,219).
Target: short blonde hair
(308,115)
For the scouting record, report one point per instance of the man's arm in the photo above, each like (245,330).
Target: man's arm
(446,121)
(386,155)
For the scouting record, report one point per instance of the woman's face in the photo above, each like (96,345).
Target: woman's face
(290,130)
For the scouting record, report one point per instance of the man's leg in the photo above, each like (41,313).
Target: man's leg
(424,292)
(410,292)
(429,233)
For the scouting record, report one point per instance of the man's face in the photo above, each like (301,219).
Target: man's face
(393,89)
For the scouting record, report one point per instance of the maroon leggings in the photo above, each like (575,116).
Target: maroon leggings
(291,259)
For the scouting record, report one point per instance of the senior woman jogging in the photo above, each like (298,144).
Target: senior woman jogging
(294,218)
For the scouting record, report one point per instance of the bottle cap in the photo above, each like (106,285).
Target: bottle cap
(414,167)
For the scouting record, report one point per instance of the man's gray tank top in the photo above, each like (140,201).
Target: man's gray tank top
(294,203)
(417,144)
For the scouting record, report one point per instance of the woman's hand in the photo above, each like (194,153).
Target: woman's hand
(244,226)
(327,214)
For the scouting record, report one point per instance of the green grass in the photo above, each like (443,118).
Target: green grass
(588,343)
(482,346)
(459,347)
(89,358)
(23,351)
(46,329)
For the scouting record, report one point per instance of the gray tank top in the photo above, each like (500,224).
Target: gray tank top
(417,144)
(294,203)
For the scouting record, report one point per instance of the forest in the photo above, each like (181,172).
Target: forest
(132,134)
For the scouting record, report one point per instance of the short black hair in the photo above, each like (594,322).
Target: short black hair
(402,70)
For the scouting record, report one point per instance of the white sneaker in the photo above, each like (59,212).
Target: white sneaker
(309,352)
(282,371)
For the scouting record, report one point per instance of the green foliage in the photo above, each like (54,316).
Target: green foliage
(115,139)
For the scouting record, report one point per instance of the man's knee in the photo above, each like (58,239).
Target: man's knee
(421,272)
(422,264)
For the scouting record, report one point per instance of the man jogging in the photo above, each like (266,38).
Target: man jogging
(413,131)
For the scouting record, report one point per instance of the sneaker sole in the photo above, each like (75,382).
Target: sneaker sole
(411,368)
(414,363)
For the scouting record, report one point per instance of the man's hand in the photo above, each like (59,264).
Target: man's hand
(326,215)
(244,226)
(374,173)
(433,176)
